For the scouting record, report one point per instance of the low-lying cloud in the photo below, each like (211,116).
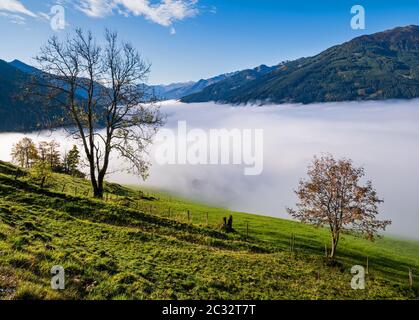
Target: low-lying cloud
(381,136)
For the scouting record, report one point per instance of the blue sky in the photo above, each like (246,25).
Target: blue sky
(192,39)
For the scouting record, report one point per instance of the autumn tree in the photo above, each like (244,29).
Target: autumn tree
(333,196)
(97,87)
(41,171)
(48,152)
(24,153)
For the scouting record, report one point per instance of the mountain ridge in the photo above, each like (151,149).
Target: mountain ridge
(21,113)
(181,89)
(383,65)
(16,114)
(24,67)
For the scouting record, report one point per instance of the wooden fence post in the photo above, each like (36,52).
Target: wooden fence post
(410,278)
(292,242)
(368,266)
(325,250)
(188,215)
(206,221)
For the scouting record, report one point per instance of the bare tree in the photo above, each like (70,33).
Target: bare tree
(96,93)
(334,197)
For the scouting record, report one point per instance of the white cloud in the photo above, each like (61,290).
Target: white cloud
(164,12)
(44,16)
(96,8)
(15,6)
(14,18)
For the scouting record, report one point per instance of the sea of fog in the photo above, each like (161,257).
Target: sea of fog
(381,136)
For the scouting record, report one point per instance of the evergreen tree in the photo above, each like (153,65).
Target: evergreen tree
(72,161)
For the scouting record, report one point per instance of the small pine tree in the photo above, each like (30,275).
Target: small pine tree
(72,161)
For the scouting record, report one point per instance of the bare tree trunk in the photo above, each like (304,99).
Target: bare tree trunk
(102,174)
(100,187)
(98,191)
(335,240)
(43,182)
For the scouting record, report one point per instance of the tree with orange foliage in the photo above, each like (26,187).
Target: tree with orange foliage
(334,197)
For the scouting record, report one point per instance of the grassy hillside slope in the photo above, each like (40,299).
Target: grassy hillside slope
(134,245)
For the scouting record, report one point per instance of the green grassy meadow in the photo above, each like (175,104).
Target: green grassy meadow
(143,244)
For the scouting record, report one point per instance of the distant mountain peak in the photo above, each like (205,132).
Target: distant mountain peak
(23,66)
